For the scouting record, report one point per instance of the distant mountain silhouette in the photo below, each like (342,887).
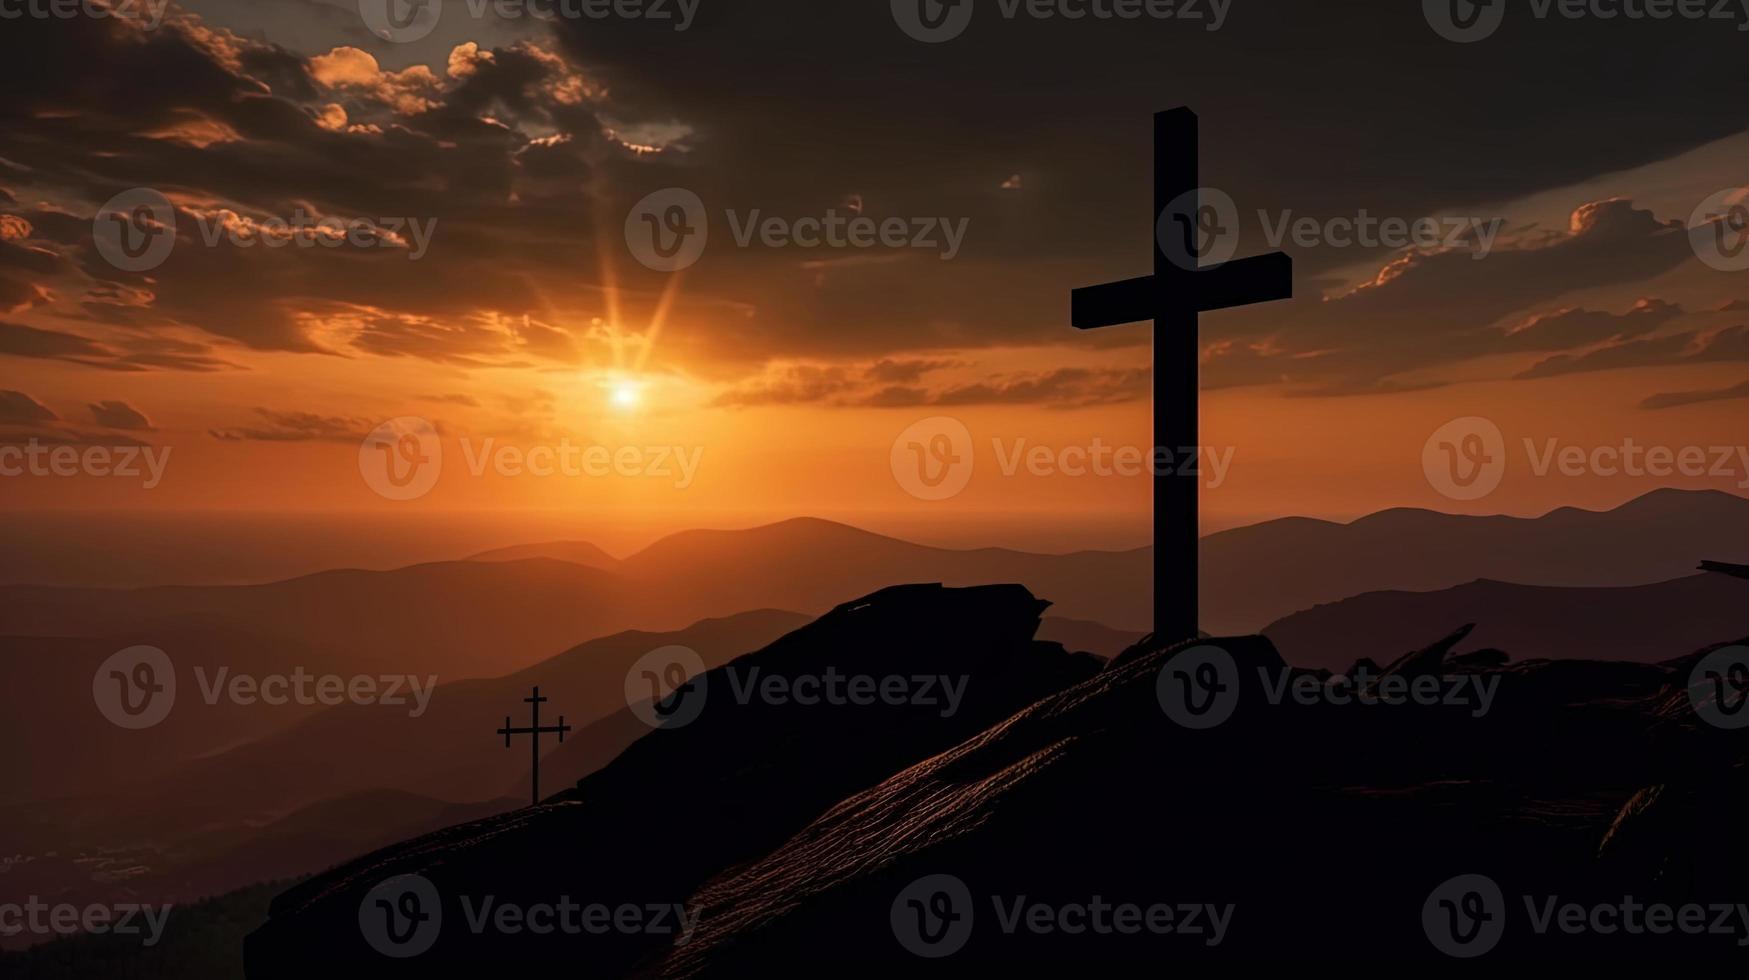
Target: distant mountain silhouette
(1256,575)
(576,552)
(239,797)
(1094,638)
(812,565)
(684,802)
(456,619)
(1636,622)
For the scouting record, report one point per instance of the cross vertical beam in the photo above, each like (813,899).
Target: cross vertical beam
(1176,380)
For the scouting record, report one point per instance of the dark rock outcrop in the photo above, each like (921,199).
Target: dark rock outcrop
(1327,827)
(685,803)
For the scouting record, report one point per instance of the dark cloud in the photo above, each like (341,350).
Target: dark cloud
(118,415)
(893,371)
(21,341)
(133,352)
(468,401)
(1065,388)
(839,386)
(1680,398)
(522,158)
(1572,328)
(18,408)
(1428,311)
(798,385)
(279,426)
(240,131)
(1317,107)
(1682,348)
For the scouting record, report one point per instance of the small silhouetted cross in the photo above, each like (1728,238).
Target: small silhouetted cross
(536,731)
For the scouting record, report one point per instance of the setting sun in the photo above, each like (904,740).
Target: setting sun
(625,394)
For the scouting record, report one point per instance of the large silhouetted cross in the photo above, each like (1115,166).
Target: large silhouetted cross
(1173,297)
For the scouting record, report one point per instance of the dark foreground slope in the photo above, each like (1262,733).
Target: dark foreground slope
(688,801)
(1101,820)
(1316,831)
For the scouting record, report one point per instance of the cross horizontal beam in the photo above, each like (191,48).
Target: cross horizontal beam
(1241,282)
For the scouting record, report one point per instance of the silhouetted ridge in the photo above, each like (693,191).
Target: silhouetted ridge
(688,802)
(1316,821)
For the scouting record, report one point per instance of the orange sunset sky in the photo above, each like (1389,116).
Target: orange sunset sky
(789,371)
